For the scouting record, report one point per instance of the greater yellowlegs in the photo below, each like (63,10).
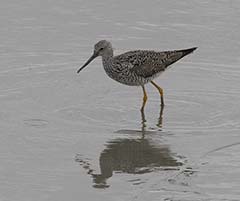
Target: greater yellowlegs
(136,68)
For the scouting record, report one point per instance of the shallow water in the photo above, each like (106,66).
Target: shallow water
(69,136)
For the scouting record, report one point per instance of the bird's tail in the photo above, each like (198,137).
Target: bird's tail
(174,56)
(187,51)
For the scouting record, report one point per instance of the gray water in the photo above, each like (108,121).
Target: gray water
(69,136)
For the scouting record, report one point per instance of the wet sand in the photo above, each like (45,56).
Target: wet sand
(69,136)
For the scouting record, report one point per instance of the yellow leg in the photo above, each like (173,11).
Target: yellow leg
(144,98)
(160,91)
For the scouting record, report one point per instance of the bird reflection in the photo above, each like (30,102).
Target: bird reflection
(132,156)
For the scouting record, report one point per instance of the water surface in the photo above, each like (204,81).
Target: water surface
(69,136)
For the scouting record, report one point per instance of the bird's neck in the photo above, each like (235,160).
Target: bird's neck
(107,57)
(107,61)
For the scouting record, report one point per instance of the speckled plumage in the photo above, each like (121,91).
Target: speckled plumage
(135,68)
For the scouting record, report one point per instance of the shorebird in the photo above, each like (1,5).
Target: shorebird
(136,68)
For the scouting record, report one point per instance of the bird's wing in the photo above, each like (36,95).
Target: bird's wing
(146,63)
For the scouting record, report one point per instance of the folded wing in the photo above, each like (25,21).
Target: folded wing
(146,63)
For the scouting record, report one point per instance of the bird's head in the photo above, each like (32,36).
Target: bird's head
(101,48)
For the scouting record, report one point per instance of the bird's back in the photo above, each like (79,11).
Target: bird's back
(147,63)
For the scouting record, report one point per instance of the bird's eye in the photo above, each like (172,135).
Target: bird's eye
(101,49)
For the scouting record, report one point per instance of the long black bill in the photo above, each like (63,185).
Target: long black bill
(88,61)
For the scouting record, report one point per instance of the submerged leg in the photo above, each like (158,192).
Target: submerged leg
(160,91)
(160,119)
(144,98)
(143,123)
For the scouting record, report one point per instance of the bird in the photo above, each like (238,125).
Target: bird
(136,67)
